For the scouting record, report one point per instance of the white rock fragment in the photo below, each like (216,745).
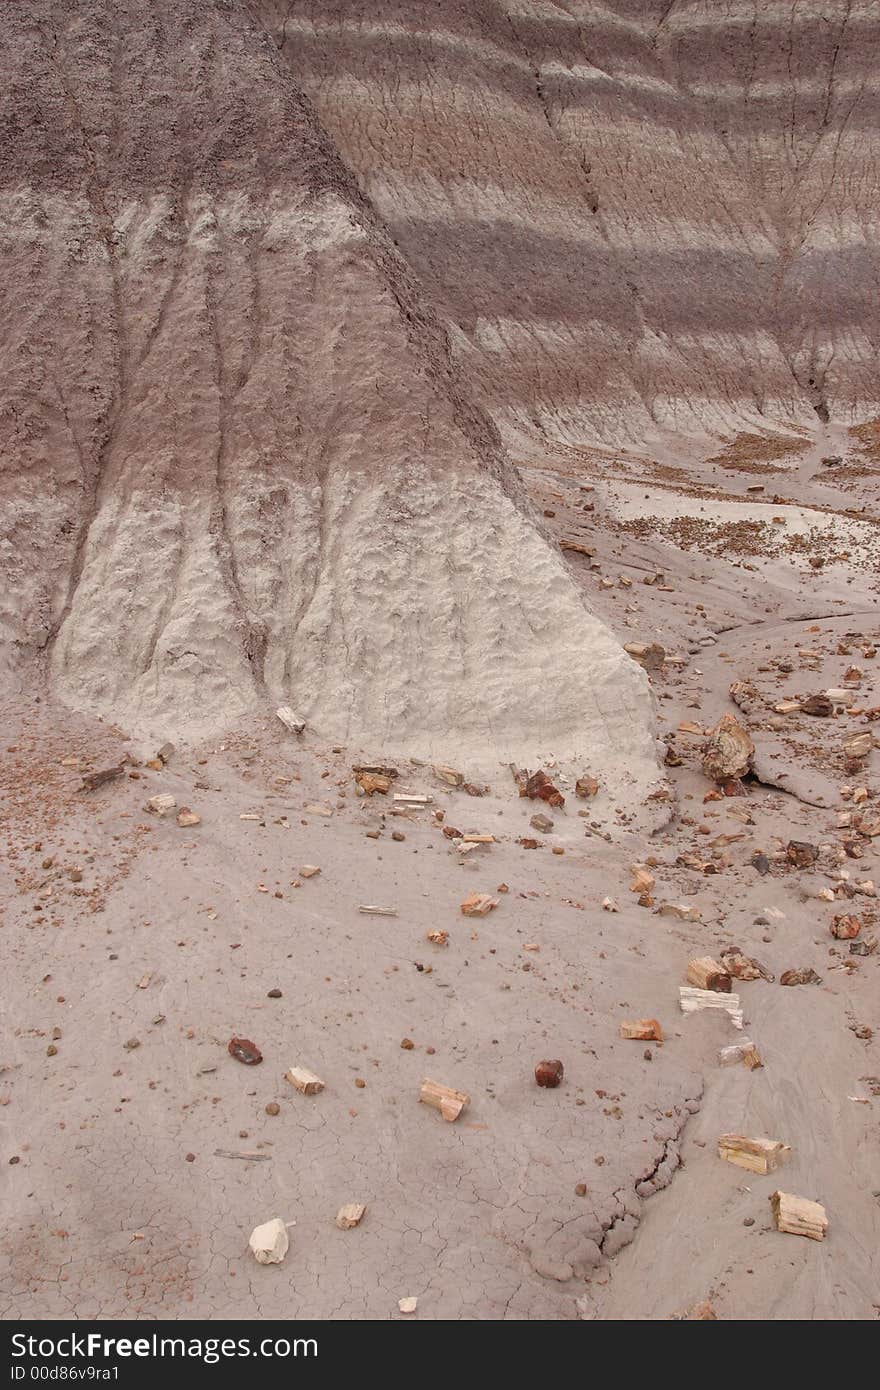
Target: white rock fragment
(769,916)
(290,720)
(693,1000)
(681,911)
(407,1305)
(449,775)
(351,1215)
(304,1081)
(162,804)
(269,1243)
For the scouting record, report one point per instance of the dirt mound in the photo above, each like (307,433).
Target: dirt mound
(238,459)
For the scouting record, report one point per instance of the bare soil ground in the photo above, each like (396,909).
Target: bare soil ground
(135,949)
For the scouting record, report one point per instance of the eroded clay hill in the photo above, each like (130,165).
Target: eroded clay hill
(238,461)
(639,215)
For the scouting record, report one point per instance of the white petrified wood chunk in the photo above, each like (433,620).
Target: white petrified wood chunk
(693,1000)
(269,1242)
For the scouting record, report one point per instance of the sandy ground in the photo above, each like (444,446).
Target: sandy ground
(134,949)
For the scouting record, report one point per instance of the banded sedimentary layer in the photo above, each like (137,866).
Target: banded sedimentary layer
(238,458)
(637,215)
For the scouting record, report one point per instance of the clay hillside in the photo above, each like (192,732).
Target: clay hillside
(439,652)
(638,215)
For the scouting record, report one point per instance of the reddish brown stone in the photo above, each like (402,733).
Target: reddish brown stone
(540,787)
(549,1074)
(243,1050)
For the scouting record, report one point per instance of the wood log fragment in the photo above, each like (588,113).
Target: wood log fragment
(585,787)
(706,973)
(682,911)
(758,1155)
(539,787)
(692,1000)
(370,782)
(478,905)
(351,1215)
(549,1074)
(92,780)
(290,719)
(520,777)
(744,1051)
(449,775)
(845,927)
(801,854)
(643,880)
(270,1242)
(805,975)
(798,1216)
(446,1099)
(304,1081)
(250,1155)
(641,1030)
(649,655)
(743,967)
